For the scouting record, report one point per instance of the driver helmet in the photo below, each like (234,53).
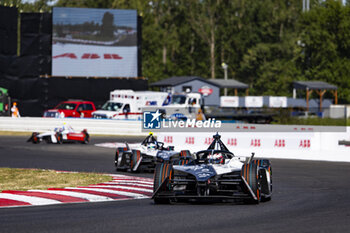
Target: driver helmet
(58,129)
(151,146)
(216,158)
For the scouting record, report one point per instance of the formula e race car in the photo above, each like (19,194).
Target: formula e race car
(214,174)
(60,135)
(144,156)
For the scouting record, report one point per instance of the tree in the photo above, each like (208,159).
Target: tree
(268,54)
(266,44)
(326,34)
(204,18)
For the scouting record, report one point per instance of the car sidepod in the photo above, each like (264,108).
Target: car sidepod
(167,156)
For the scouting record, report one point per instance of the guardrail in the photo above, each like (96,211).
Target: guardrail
(93,126)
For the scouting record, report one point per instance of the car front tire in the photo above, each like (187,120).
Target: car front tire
(59,138)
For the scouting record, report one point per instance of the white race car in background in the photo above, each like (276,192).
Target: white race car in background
(60,135)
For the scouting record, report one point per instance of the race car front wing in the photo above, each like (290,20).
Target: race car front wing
(223,187)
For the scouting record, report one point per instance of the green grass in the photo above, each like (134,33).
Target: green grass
(25,179)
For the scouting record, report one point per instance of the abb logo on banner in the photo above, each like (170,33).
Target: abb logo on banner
(189,140)
(306,143)
(255,143)
(280,143)
(168,139)
(232,141)
(208,141)
(89,56)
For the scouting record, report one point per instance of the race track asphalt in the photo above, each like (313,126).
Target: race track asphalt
(309,196)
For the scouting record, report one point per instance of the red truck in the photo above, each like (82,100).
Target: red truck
(72,108)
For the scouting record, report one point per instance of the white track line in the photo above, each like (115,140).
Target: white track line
(129,179)
(86,196)
(128,183)
(122,187)
(131,182)
(133,178)
(134,195)
(29,199)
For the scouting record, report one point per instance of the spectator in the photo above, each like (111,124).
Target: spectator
(14,110)
(200,116)
(126,110)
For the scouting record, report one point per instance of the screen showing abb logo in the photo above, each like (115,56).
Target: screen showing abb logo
(94,42)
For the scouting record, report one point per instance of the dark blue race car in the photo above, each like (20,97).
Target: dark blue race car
(214,174)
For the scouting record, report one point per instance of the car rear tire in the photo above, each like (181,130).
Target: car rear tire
(266,181)
(116,159)
(134,158)
(161,173)
(252,175)
(35,138)
(119,153)
(86,138)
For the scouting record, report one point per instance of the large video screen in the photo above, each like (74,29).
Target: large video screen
(94,42)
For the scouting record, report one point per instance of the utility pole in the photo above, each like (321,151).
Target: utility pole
(224,66)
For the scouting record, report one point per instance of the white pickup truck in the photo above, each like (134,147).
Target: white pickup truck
(183,106)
